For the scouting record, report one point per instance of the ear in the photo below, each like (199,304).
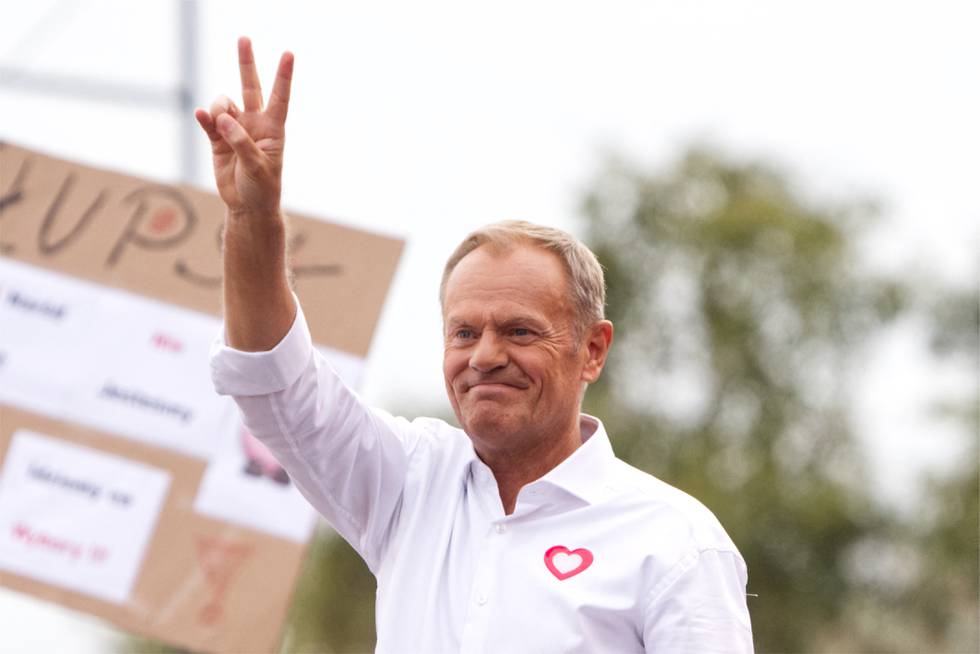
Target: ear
(598,340)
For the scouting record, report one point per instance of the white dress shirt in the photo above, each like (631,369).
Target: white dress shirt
(596,557)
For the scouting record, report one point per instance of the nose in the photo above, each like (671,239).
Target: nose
(488,354)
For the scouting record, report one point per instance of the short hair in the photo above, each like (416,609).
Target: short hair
(586,281)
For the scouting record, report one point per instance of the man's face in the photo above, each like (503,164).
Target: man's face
(513,366)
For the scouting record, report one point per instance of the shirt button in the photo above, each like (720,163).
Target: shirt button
(481,599)
(499,528)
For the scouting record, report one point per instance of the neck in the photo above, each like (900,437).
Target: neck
(515,469)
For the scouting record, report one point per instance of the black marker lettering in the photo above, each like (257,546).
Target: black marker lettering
(16,192)
(44,245)
(132,233)
(13,195)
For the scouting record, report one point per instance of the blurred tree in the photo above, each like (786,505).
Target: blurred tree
(333,611)
(917,584)
(946,592)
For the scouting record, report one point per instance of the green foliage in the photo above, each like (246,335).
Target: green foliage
(947,593)
(333,610)
(918,584)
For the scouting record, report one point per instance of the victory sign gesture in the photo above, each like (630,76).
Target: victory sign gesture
(247,148)
(247,145)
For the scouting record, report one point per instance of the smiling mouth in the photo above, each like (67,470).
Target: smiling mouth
(492,386)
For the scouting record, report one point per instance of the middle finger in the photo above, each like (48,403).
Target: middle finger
(251,89)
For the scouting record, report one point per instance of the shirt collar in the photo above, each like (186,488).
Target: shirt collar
(582,474)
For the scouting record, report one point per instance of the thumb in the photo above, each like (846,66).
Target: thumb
(244,147)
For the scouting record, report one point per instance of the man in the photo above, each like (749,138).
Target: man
(519,533)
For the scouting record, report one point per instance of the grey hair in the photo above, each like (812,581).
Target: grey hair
(586,281)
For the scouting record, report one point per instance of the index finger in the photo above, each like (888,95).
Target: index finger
(279,98)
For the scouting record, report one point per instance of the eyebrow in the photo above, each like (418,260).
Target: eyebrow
(455,321)
(523,319)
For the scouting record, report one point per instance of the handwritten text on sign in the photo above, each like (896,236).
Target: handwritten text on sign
(164,241)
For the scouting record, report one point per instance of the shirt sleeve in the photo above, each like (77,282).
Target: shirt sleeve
(700,607)
(349,461)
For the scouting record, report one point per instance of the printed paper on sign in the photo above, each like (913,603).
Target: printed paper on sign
(69,349)
(44,324)
(75,517)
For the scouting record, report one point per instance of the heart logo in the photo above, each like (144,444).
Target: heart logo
(565,563)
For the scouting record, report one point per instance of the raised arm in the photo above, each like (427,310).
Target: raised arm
(247,149)
(349,461)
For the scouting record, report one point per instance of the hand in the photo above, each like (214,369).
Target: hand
(247,146)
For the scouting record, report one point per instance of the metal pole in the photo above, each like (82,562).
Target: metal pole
(80,88)
(187,54)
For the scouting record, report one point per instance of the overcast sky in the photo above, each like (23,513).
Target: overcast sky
(426,120)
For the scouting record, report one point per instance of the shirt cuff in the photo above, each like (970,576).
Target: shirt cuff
(234,372)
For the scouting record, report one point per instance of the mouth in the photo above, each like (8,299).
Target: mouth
(491,387)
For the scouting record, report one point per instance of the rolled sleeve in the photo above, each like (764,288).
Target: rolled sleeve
(238,373)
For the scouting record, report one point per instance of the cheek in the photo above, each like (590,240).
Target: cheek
(561,373)
(452,363)
(533,365)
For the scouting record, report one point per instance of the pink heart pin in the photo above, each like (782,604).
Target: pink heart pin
(565,563)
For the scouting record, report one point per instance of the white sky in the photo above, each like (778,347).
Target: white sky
(426,120)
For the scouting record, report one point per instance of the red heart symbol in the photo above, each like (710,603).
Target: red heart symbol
(562,562)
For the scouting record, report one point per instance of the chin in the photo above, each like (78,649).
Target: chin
(489,425)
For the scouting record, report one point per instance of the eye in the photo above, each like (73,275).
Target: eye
(522,333)
(463,334)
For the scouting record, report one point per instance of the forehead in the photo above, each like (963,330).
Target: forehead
(520,278)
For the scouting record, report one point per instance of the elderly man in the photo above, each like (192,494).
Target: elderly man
(520,532)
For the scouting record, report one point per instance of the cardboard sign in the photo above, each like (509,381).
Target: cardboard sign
(128,488)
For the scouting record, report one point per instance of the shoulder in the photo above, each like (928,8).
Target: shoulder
(671,517)
(428,440)
(684,552)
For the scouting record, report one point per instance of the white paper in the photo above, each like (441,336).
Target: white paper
(76,517)
(108,359)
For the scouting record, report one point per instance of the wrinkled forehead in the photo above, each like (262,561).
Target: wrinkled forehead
(521,277)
